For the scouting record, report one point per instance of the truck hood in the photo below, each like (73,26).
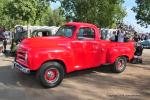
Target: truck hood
(45,42)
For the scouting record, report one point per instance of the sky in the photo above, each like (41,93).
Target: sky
(129,19)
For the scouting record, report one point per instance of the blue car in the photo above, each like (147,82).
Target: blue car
(146,44)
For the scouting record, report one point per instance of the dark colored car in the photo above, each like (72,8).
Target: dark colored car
(146,44)
(41,33)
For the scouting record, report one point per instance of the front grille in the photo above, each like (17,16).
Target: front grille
(21,54)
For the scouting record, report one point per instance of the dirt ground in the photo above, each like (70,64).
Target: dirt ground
(92,84)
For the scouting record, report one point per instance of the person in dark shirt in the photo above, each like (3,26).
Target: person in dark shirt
(137,54)
(136,37)
(4,44)
(126,38)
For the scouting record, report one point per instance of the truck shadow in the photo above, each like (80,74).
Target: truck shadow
(96,78)
(101,69)
(9,77)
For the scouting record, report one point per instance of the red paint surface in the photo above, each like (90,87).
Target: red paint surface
(75,54)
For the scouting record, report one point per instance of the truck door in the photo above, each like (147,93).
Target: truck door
(78,54)
(90,46)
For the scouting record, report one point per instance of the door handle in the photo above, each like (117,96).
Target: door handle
(102,49)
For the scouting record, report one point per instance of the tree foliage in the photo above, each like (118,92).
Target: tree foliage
(34,12)
(52,18)
(142,11)
(26,10)
(4,19)
(101,12)
(104,13)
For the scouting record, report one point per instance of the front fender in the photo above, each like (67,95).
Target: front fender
(43,55)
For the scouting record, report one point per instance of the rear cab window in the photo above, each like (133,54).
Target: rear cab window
(86,34)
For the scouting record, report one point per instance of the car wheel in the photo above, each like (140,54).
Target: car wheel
(119,65)
(50,74)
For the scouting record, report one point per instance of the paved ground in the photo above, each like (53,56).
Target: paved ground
(94,84)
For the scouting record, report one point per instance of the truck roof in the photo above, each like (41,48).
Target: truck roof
(81,24)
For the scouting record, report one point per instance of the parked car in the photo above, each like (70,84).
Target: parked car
(41,33)
(35,31)
(76,46)
(146,44)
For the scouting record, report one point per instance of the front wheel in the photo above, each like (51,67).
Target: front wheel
(119,65)
(51,74)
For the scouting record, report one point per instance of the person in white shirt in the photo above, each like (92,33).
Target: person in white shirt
(113,37)
(121,34)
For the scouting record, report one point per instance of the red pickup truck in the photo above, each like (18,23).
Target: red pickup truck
(76,46)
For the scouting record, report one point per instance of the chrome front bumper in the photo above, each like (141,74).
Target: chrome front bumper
(21,68)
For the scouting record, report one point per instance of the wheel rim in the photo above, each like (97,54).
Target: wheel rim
(120,64)
(51,75)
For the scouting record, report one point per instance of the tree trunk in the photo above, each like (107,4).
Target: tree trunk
(28,31)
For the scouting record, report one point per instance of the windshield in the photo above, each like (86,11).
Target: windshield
(66,31)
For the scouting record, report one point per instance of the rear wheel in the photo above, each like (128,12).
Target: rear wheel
(119,65)
(51,74)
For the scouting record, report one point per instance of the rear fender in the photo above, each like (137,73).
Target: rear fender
(116,53)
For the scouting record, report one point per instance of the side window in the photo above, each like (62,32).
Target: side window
(68,32)
(39,34)
(86,33)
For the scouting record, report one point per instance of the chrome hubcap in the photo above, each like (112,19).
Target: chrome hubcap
(120,64)
(51,75)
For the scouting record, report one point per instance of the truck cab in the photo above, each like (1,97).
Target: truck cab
(75,46)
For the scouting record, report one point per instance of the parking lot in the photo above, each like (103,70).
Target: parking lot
(92,84)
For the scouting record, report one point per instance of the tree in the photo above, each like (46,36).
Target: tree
(21,9)
(142,11)
(34,12)
(58,16)
(5,21)
(51,18)
(29,11)
(100,12)
(41,7)
(24,12)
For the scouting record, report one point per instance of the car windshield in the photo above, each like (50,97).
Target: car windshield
(66,31)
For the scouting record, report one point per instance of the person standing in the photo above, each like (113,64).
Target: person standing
(114,36)
(126,38)
(121,34)
(136,37)
(4,45)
